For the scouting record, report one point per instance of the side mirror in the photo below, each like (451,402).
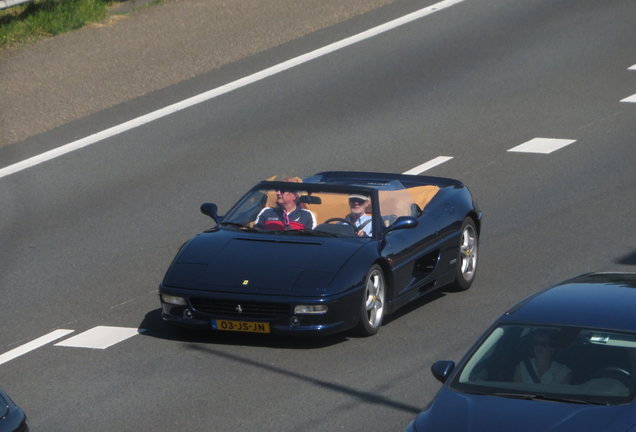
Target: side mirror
(403,222)
(210,209)
(442,369)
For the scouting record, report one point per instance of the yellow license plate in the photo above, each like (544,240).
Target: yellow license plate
(240,326)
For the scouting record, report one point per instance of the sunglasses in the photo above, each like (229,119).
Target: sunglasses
(283,191)
(357,201)
(543,344)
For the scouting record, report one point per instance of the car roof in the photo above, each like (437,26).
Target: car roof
(595,300)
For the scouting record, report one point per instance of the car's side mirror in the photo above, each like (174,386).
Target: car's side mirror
(210,209)
(403,222)
(442,369)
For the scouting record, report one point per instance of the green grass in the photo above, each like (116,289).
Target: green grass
(42,18)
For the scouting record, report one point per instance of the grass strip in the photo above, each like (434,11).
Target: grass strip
(29,22)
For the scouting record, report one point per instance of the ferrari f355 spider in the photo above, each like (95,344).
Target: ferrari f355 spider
(328,253)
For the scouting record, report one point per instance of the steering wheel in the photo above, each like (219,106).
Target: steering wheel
(337,219)
(618,374)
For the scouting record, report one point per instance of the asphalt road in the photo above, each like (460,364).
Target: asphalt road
(61,79)
(85,237)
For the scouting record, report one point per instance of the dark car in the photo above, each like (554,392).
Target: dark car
(564,359)
(322,273)
(12,418)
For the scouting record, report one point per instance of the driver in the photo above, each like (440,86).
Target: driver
(358,204)
(288,213)
(542,368)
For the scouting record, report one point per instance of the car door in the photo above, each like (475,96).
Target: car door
(411,252)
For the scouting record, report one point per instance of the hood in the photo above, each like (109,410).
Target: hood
(263,263)
(459,412)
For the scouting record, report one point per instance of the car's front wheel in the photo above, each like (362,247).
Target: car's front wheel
(372,305)
(466,256)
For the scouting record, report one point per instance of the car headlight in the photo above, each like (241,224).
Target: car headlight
(180,301)
(310,309)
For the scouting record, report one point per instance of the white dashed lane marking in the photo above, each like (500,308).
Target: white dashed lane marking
(542,145)
(35,344)
(100,337)
(428,165)
(631,99)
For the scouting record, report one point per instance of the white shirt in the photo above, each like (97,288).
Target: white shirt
(368,229)
(554,375)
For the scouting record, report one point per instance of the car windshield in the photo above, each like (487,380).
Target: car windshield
(293,211)
(332,211)
(537,362)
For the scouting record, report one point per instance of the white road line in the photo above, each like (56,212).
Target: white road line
(631,99)
(542,145)
(225,89)
(428,165)
(100,337)
(37,343)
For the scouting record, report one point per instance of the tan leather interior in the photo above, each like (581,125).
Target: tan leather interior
(422,195)
(333,205)
(391,202)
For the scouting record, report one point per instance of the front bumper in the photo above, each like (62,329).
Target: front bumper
(343,311)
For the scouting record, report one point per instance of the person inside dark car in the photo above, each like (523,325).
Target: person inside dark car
(542,368)
(288,214)
(358,204)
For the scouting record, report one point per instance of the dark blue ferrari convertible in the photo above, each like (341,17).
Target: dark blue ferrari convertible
(562,360)
(324,254)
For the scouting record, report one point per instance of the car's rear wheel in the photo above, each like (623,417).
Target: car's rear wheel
(372,305)
(466,256)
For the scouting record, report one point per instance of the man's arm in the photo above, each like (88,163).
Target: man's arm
(260,219)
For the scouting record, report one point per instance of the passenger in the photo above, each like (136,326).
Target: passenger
(541,368)
(358,204)
(288,213)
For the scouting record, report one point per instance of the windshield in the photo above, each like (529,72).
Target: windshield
(309,211)
(543,362)
(337,210)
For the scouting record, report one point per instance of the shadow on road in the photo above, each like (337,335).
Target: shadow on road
(414,305)
(213,343)
(367,397)
(629,259)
